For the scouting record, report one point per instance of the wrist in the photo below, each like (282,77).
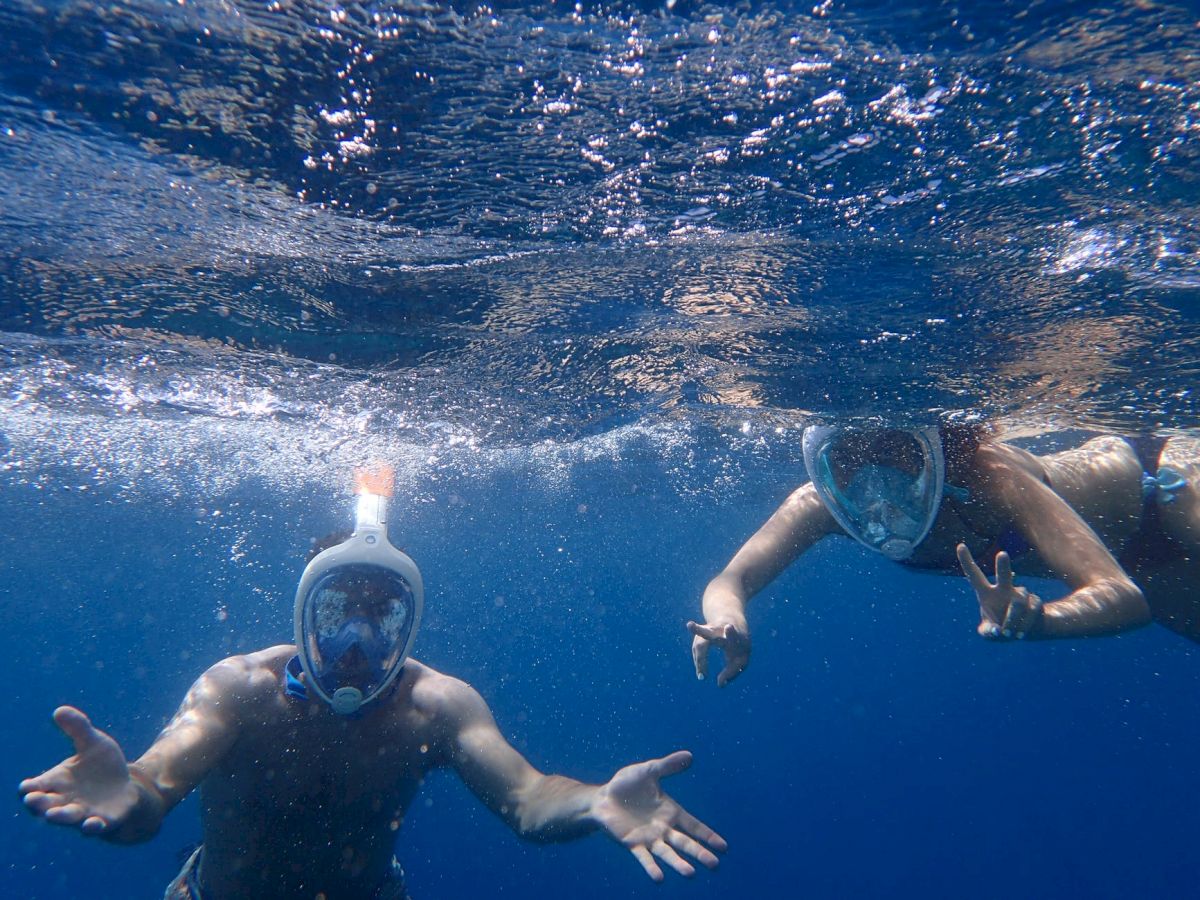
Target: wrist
(723,601)
(725,611)
(144,817)
(560,809)
(736,619)
(590,817)
(1034,626)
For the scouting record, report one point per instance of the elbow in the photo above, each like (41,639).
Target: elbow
(1126,606)
(520,813)
(522,822)
(1137,608)
(1104,608)
(530,828)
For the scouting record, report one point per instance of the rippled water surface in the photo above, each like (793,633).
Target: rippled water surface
(537,222)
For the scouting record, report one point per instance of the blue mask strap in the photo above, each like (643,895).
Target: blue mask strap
(292,685)
(961,494)
(1164,484)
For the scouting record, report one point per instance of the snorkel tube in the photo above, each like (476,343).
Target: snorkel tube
(367,549)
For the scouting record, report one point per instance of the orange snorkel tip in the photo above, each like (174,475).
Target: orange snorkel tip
(378,479)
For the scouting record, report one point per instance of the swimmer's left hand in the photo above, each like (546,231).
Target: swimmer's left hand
(1007,612)
(635,812)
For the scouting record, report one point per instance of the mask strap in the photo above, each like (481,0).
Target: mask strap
(293,686)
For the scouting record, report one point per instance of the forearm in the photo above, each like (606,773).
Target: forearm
(798,524)
(145,818)
(725,601)
(1105,607)
(554,808)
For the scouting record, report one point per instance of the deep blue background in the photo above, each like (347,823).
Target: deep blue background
(875,746)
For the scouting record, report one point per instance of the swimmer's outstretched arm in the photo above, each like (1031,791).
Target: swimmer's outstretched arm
(630,808)
(799,523)
(97,791)
(1103,598)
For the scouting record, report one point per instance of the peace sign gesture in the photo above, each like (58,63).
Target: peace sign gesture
(1007,611)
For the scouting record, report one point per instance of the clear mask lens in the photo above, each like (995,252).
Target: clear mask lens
(357,619)
(882,486)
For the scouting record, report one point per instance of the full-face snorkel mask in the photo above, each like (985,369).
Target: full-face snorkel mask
(883,486)
(358,606)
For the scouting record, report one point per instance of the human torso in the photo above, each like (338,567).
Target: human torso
(1102,482)
(307,802)
(1170,588)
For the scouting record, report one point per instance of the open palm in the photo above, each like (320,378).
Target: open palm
(633,809)
(91,789)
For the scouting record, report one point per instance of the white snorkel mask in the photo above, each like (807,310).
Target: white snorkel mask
(358,606)
(883,486)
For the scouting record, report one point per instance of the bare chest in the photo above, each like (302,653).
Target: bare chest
(307,795)
(308,755)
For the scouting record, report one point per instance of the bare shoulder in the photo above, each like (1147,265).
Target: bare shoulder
(444,699)
(805,501)
(246,677)
(1182,451)
(996,459)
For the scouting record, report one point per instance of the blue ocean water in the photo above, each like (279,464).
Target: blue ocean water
(582,273)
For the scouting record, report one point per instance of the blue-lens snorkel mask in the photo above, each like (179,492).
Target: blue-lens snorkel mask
(888,503)
(358,606)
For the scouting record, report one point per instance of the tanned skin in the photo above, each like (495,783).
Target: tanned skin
(299,801)
(1071,507)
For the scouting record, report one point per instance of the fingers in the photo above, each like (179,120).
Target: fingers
(699,654)
(671,764)
(76,726)
(733,668)
(93,825)
(692,848)
(1014,616)
(47,782)
(974,574)
(55,808)
(67,814)
(41,801)
(696,828)
(666,850)
(708,632)
(990,630)
(663,851)
(642,855)
(1004,575)
(727,638)
(1022,615)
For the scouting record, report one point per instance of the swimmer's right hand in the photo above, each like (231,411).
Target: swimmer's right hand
(732,639)
(92,789)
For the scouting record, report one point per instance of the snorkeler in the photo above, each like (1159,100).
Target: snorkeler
(308,756)
(1117,520)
